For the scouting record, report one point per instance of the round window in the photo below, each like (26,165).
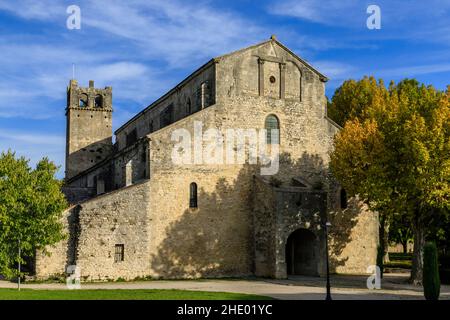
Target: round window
(272,79)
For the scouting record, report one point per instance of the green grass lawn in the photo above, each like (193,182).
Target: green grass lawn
(399,260)
(122,294)
(400,256)
(398,264)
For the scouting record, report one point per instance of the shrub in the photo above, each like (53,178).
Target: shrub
(431,281)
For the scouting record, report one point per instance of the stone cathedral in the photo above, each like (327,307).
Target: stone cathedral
(134,213)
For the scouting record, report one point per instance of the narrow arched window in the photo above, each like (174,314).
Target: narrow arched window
(98,102)
(343,199)
(188,107)
(205,94)
(150,126)
(272,126)
(193,195)
(83,103)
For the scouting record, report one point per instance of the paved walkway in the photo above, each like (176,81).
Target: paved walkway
(394,287)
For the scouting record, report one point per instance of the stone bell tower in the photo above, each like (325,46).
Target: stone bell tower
(89,127)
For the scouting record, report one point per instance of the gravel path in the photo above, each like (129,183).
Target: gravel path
(394,287)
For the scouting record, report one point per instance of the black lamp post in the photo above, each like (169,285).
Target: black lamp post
(326,225)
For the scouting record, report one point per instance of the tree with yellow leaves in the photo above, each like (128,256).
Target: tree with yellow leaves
(395,155)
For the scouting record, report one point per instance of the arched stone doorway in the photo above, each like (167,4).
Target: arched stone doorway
(302,253)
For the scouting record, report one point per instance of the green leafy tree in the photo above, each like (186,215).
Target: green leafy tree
(441,236)
(422,159)
(400,231)
(31,204)
(397,157)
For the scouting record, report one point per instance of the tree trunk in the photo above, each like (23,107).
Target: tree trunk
(386,242)
(417,262)
(405,247)
(383,232)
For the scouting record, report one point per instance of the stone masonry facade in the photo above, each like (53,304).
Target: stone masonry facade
(132,211)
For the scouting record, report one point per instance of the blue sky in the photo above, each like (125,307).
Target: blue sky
(142,48)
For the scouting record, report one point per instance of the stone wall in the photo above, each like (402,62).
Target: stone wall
(164,237)
(96,226)
(298,208)
(183,99)
(123,168)
(214,239)
(278,212)
(53,261)
(75,194)
(264,221)
(353,238)
(120,217)
(131,164)
(398,248)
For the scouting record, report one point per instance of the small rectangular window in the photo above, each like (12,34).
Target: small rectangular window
(119,253)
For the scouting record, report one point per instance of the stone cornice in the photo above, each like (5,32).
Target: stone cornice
(89,109)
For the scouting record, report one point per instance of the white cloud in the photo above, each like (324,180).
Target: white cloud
(327,12)
(35,76)
(133,45)
(410,20)
(32,9)
(340,72)
(119,71)
(116,46)
(178,32)
(34,146)
(415,70)
(32,137)
(175,31)
(334,70)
